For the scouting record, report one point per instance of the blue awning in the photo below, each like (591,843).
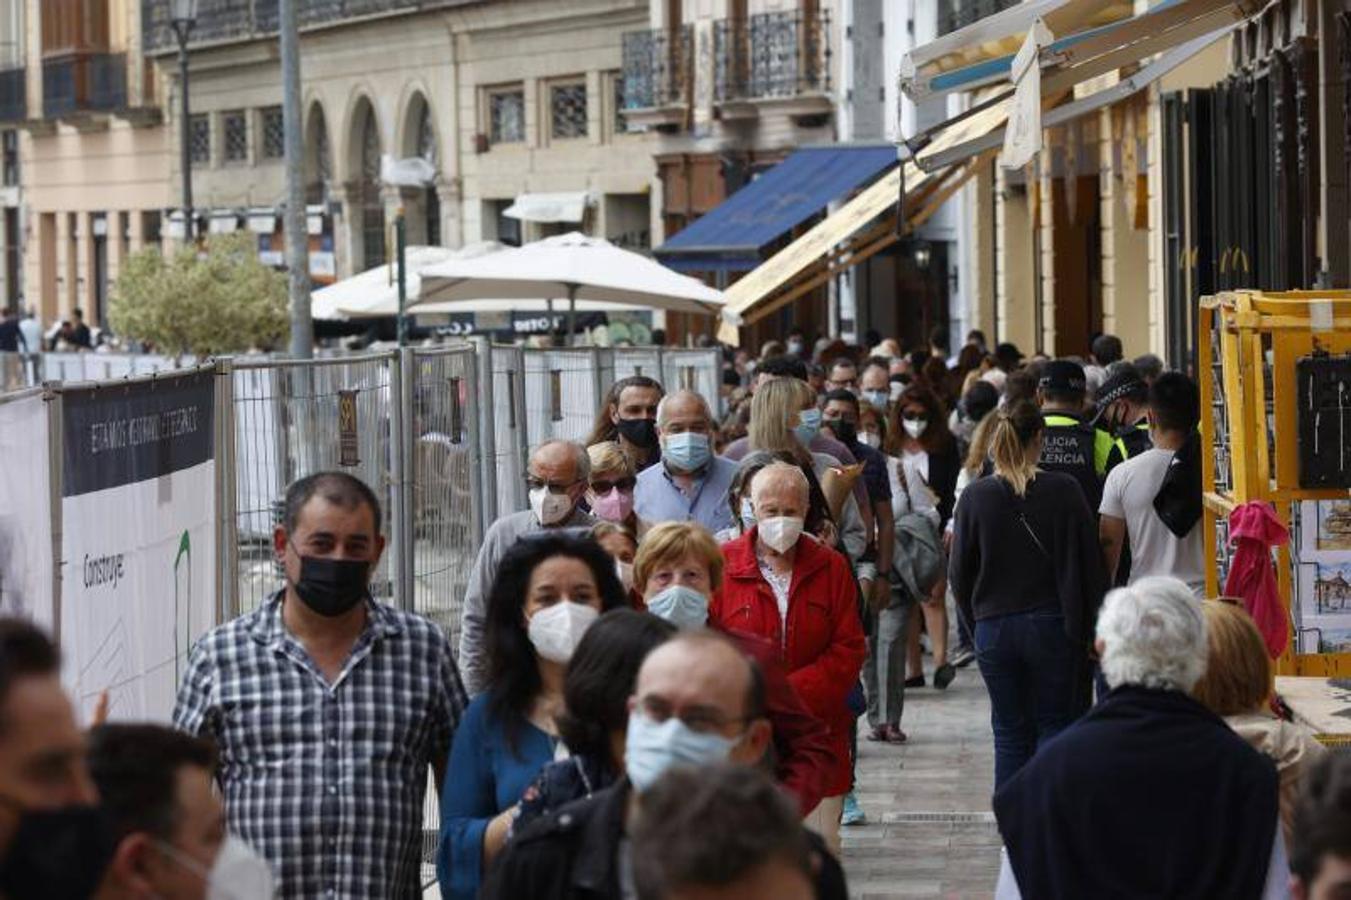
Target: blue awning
(731,237)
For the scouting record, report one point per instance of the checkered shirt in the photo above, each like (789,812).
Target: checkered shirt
(326,781)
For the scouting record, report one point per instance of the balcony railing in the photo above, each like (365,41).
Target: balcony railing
(13,95)
(777,54)
(658,67)
(955,14)
(89,83)
(237,20)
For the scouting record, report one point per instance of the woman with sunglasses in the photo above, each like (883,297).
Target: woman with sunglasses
(609,492)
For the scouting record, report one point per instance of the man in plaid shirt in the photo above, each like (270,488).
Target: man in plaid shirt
(327,707)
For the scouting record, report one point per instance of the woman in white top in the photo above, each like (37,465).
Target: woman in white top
(884,669)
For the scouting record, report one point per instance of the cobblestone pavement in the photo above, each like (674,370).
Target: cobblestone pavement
(930,832)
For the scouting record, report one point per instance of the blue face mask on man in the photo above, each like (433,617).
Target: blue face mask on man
(809,423)
(687,451)
(650,748)
(683,607)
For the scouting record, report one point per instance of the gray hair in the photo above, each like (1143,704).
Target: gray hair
(680,395)
(1153,635)
(781,471)
(580,458)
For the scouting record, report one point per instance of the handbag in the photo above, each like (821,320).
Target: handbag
(919,560)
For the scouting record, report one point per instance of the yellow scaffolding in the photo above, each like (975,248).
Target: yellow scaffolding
(1248,403)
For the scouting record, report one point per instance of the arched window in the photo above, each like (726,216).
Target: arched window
(372,207)
(318,158)
(426,148)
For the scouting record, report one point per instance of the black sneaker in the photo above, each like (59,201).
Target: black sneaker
(916,682)
(963,658)
(943,676)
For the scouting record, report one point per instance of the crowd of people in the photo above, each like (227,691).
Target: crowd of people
(664,661)
(24,333)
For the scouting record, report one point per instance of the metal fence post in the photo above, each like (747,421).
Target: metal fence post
(56,480)
(401,397)
(603,373)
(485,441)
(481,464)
(227,477)
(518,398)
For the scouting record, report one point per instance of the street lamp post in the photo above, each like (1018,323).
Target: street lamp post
(182,17)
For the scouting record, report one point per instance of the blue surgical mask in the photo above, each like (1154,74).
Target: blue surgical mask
(682,606)
(651,748)
(686,452)
(747,513)
(878,400)
(809,423)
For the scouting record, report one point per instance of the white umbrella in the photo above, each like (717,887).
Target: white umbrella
(570,267)
(375,292)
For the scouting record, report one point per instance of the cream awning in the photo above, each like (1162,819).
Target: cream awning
(561,207)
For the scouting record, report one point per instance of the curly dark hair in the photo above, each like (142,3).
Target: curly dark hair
(513,672)
(601,676)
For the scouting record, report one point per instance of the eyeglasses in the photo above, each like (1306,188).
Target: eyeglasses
(624,484)
(534,484)
(700,721)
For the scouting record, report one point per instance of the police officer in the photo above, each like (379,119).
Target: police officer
(1069,444)
(1121,404)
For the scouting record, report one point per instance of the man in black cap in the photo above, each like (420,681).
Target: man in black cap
(1069,444)
(1121,404)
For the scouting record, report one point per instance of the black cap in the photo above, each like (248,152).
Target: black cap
(1063,375)
(1124,383)
(1008,354)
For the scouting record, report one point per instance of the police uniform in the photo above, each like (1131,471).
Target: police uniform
(1069,444)
(1128,440)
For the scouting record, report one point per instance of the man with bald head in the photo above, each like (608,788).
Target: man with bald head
(698,702)
(689,483)
(556,479)
(788,587)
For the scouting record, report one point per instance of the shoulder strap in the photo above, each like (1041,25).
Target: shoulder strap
(1022,518)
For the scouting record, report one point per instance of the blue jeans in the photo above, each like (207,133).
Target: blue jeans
(1029,665)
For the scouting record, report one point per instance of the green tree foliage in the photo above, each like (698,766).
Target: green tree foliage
(210,301)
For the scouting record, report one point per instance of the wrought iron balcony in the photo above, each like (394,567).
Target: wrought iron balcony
(13,95)
(955,14)
(768,55)
(87,83)
(223,21)
(658,67)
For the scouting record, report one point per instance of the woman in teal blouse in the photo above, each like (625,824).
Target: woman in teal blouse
(548,590)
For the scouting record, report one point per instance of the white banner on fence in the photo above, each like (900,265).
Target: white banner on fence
(138,539)
(25,511)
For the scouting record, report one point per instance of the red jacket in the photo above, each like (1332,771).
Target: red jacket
(824,647)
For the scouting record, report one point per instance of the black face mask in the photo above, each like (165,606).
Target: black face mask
(332,587)
(639,432)
(58,854)
(845,432)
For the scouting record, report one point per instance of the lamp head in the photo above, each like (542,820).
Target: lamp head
(183,12)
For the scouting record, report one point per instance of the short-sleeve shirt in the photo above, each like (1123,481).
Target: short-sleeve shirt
(326,780)
(1128,494)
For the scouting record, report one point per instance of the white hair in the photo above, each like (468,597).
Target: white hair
(780,471)
(665,402)
(1153,635)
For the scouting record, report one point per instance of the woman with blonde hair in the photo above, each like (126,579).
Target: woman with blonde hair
(1026,569)
(784,419)
(1237,686)
(610,486)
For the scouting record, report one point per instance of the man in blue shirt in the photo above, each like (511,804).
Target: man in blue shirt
(689,483)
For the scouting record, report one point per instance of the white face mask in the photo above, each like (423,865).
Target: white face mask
(625,572)
(781,532)
(237,874)
(550,508)
(914,427)
(556,630)
(870,438)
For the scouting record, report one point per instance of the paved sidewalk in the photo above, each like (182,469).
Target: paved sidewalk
(930,832)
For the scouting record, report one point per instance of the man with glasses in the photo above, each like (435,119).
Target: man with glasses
(556,480)
(690,483)
(843,375)
(698,702)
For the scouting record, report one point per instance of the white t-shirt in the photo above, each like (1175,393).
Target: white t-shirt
(1155,550)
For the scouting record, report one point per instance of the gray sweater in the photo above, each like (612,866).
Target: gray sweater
(501,535)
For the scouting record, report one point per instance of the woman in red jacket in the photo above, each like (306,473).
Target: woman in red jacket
(786,586)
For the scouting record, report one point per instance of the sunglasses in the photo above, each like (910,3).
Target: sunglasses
(604,487)
(910,416)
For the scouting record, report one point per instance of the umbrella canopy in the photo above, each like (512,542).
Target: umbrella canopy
(375,292)
(568,267)
(532,305)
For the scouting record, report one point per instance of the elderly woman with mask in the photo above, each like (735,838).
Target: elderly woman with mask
(609,490)
(788,587)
